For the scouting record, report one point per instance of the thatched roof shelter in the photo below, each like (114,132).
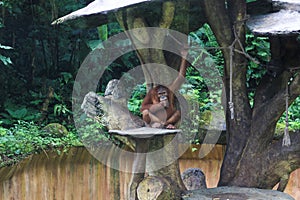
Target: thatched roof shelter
(285,21)
(100,12)
(280,17)
(96,12)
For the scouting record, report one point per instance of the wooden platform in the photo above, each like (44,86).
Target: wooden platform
(284,22)
(145,132)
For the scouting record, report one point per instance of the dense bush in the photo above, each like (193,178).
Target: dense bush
(26,138)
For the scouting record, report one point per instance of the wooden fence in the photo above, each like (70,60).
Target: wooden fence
(78,175)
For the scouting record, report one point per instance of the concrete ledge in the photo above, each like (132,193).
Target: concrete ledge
(236,193)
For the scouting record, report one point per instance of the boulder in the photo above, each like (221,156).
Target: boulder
(193,179)
(56,130)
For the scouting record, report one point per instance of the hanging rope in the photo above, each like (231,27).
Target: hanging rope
(230,103)
(286,138)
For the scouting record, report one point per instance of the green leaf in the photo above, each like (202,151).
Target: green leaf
(194,149)
(57,109)
(5,47)
(95,44)
(29,117)
(262,54)
(249,48)
(7,121)
(5,60)
(36,102)
(5,115)
(66,76)
(103,32)
(57,97)
(17,114)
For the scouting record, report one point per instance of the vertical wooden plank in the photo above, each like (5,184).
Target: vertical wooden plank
(293,187)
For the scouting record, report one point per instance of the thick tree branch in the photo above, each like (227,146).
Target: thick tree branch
(182,15)
(285,52)
(237,10)
(167,15)
(132,18)
(279,162)
(221,26)
(270,111)
(277,74)
(230,33)
(268,87)
(271,166)
(270,95)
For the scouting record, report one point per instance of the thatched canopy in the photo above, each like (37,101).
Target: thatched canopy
(95,13)
(286,4)
(101,12)
(285,21)
(280,17)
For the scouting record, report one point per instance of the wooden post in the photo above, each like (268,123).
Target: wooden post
(138,167)
(154,186)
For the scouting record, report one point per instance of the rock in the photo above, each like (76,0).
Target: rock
(194,179)
(56,130)
(236,193)
(111,87)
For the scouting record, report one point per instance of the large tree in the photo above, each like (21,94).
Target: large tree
(253,158)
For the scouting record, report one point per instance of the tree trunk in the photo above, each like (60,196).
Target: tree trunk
(157,188)
(150,58)
(144,38)
(252,158)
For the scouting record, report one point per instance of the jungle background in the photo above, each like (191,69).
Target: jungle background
(39,62)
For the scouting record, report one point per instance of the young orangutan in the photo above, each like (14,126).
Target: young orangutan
(158,107)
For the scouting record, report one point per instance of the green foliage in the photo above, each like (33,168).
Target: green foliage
(91,132)
(46,56)
(25,138)
(103,32)
(135,102)
(13,113)
(18,114)
(59,109)
(280,128)
(206,39)
(43,56)
(5,60)
(294,112)
(5,47)
(258,48)
(294,116)
(204,79)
